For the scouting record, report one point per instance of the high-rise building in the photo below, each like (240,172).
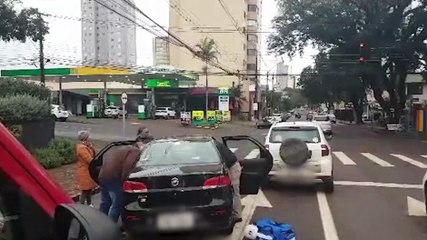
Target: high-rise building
(234,25)
(161,51)
(107,37)
(282,80)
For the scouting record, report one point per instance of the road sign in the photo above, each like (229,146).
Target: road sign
(124,98)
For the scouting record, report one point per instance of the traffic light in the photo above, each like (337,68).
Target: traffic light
(362,59)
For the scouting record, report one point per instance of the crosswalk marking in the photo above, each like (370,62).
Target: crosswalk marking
(344,158)
(233,149)
(377,160)
(253,154)
(424,156)
(409,160)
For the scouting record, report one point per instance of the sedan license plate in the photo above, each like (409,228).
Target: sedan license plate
(175,221)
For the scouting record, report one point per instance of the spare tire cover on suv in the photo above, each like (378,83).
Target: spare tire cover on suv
(294,152)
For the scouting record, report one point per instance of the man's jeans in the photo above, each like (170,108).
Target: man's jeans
(111,198)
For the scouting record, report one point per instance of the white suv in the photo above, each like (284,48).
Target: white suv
(318,167)
(425,189)
(59,113)
(165,112)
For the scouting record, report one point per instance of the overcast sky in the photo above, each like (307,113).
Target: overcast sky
(64,39)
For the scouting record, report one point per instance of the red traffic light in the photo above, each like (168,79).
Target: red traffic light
(362,45)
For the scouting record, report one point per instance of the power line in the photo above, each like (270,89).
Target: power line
(174,37)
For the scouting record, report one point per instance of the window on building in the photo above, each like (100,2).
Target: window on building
(252,37)
(415,88)
(251,67)
(252,8)
(252,52)
(252,23)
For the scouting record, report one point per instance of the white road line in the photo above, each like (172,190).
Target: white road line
(233,149)
(253,154)
(344,158)
(377,160)
(415,207)
(409,160)
(424,156)
(374,184)
(329,228)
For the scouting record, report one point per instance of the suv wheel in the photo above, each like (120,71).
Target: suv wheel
(328,183)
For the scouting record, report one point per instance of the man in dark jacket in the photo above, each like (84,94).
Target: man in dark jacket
(234,172)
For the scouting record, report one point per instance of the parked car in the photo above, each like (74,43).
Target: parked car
(425,189)
(180,184)
(34,207)
(324,122)
(59,113)
(332,118)
(114,112)
(264,123)
(165,112)
(318,167)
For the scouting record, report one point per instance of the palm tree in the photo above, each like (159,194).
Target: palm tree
(207,51)
(236,93)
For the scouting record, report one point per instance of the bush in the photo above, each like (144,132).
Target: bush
(21,108)
(9,86)
(59,152)
(65,149)
(49,158)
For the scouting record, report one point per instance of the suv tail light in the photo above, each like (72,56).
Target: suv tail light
(325,150)
(134,187)
(267,147)
(215,182)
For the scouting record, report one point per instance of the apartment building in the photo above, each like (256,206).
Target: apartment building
(282,80)
(108,38)
(233,24)
(161,51)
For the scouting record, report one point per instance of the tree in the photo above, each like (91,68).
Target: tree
(236,95)
(20,25)
(207,51)
(393,31)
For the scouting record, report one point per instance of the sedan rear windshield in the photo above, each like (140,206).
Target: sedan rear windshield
(162,153)
(306,134)
(321,118)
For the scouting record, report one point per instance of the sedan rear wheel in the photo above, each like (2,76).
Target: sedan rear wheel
(229,230)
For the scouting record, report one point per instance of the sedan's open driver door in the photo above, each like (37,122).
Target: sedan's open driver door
(255,170)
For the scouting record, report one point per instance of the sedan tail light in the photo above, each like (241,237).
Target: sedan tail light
(325,150)
(134,187)
(216,182)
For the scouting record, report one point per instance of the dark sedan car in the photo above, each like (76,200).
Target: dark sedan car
(180,184)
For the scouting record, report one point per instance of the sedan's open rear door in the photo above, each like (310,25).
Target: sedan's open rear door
(255,170)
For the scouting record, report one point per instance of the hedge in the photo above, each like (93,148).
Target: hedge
(9,86)
(59,152)
(21,108)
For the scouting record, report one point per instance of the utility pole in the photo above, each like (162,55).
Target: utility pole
(267,97)
(41,53)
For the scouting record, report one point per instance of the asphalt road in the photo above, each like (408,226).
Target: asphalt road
(378,187)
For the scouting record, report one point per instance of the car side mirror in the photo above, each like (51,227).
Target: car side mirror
(81,222)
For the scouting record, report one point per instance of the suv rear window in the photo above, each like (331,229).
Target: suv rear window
(160,153)
(306,134)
